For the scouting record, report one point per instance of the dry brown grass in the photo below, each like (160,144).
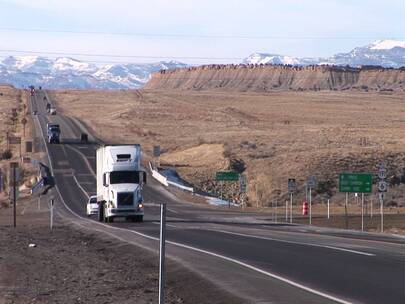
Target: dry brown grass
(12,98)
(276,135)
(9,99)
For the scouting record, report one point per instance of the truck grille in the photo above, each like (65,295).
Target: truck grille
(125,199)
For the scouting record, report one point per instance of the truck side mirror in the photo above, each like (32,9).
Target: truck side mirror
(142,177)
(105,180)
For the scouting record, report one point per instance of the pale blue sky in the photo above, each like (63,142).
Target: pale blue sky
(337,26)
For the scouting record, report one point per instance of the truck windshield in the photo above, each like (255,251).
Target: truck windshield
(124,177)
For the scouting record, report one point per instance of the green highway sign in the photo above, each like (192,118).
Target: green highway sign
(355,182)
(227,176)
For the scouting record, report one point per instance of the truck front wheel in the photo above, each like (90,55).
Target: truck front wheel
(100,212)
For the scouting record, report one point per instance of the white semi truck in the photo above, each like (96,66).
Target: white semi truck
(119,183)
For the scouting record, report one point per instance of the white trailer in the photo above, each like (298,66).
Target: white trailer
(119,182)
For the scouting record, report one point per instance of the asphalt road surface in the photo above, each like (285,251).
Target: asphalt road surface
(245,253)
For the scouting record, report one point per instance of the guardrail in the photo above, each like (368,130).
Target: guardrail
(190,189)
(163,180)
(159,177)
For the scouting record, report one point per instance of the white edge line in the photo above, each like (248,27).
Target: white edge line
(296,243)
(81,187)
(173,211)
(310,290)
(84,159)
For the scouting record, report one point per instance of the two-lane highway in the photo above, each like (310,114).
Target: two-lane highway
(243,253)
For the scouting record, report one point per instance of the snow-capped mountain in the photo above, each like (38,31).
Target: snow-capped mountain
(260,58)
(64,72)
(387,53)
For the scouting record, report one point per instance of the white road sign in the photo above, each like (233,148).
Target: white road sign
(382,186)
(156,151)
(311,182)
(382,173)
(292,185)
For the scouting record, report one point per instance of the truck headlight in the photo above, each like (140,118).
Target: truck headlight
(140,205)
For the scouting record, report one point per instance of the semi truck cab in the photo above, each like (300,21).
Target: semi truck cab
(119,183)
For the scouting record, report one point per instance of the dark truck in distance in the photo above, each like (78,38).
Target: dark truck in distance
(53,131)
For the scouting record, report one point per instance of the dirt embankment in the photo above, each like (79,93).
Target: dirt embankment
(265,78)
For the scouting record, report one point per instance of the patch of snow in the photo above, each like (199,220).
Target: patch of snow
(219,202)
(65,64)
(23,61)
(387,44)
(260,58)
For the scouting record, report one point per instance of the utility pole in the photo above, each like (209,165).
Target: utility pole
(13,188)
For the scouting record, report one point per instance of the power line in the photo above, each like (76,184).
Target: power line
(178,35)
(118,56)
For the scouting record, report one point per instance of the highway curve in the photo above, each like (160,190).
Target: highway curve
(243,253)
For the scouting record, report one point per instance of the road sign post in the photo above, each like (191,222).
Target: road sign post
(292,186)
(242,187)
(286,211)
(311,183)
(51,211)
(346,214)
(242,183)
(328,209)
(362,212)
(162,247)
(381,196)
(1,180)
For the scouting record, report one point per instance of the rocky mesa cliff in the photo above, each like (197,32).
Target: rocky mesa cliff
(266,78)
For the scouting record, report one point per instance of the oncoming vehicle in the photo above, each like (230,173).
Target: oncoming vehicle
(53,133)
(52,111)
(92,206)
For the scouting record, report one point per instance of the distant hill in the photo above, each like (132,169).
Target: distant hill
(266,78)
